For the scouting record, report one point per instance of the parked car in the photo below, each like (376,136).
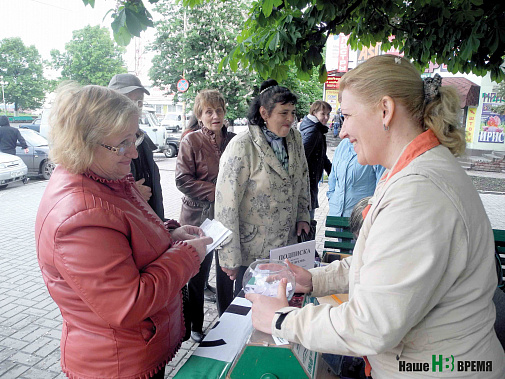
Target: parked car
(12,169)
(35,125)
(37,160)
(173,140)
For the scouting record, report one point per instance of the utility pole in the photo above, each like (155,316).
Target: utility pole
(3,95)
(183,74)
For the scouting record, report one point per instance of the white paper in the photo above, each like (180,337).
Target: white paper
(280,341)
(301,254)
(216,230)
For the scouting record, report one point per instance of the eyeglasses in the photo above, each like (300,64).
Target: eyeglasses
(140,103)
(123,146)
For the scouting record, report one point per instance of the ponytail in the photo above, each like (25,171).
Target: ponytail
(442,116)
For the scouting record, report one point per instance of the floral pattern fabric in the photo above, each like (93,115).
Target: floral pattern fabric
(257,199)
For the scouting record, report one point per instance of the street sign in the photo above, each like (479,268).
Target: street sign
(182,85)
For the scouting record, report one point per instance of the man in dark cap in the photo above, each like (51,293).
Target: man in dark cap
(9,136)
(144,169)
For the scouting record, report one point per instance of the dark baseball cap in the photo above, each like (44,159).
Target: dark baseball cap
(125,83)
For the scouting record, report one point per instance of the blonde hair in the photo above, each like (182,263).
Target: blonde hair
(389,75)
(319,105)
(81,118)
(208,97)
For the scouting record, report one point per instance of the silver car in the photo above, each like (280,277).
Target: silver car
(12,169)
(37,160)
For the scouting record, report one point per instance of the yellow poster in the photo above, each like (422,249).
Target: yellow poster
(331,97)
(470,124)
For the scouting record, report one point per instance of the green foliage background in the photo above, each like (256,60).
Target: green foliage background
(22,70)
(91,57)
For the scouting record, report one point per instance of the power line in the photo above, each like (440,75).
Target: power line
(51,5)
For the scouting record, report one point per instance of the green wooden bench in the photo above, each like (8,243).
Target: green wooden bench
(338,242)
(499,243)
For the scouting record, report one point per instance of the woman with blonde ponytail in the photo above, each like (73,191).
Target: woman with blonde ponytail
(422,275)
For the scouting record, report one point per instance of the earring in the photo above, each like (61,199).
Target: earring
(386,127)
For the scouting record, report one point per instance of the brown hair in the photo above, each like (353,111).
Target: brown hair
(389,75)
(81,118)
(208,97)
(319,105)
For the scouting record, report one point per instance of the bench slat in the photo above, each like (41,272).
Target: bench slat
(337,222)
(335,234)
(339,245)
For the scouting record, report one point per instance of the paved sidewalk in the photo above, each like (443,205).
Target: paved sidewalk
(30,322)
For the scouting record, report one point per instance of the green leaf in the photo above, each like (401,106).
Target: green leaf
(118,22)
(267,7)
(272,45)
(303,75)
(122,36)
(133,25)
(144,20)
(323,74)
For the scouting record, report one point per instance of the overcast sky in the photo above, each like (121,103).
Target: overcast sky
(48,24)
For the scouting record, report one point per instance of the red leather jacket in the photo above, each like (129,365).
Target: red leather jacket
(112,267)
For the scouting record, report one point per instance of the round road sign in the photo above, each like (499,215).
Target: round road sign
(182,85)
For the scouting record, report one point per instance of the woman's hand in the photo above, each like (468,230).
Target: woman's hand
(200,245)
(264,307)
(145,191)
(302,225)
(187,232)
(303,278)
(232,273)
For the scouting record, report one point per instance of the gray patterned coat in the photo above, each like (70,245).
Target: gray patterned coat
(257,199)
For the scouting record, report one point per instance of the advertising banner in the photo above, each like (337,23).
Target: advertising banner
(491,123)
(470,124)
(337,53)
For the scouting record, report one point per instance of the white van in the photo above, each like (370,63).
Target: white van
(174,122)
(44,122)
(151,126)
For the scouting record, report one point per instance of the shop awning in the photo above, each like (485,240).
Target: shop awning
(469,92)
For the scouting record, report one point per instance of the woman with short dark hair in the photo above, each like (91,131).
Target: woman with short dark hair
(262,191)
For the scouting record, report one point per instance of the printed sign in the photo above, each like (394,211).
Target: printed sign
(491,123)
(470,124)
(301,254)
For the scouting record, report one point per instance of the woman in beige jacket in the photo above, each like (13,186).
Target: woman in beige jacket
(422,276)
(262,190)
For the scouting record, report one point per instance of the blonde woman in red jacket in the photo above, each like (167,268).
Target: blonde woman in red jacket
(109,262)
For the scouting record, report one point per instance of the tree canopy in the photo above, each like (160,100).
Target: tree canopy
(91,57)
(197,52)
(467,35)
(21,69)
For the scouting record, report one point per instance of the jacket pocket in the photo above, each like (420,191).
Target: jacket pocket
(147,330)
(247,232)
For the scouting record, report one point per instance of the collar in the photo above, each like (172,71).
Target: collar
(419,145)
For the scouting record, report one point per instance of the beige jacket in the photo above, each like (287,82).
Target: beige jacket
(257,199)
(420,283)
